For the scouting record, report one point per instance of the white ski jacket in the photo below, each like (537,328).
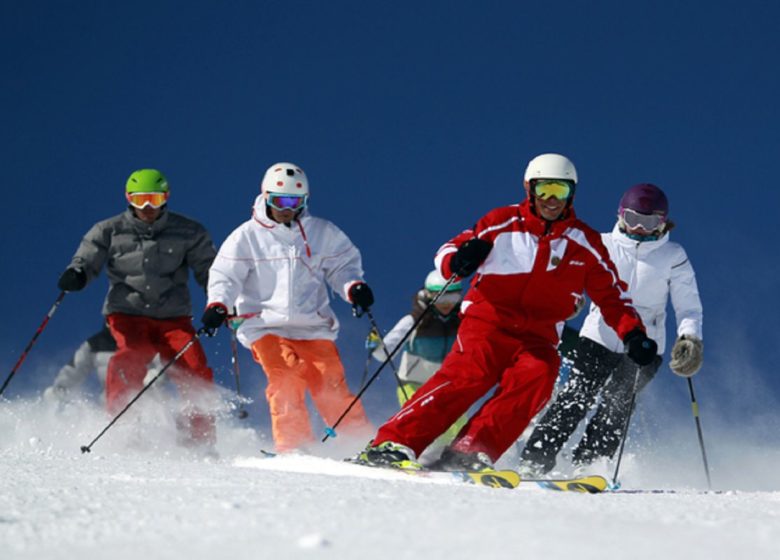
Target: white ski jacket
(277,276)
(653,270)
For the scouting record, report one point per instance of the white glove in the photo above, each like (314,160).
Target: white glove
(687,355)
(55,394)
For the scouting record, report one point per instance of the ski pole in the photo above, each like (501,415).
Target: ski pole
(242,413)
(387,355)
(695,407)
(372,342)
(625,429)
(179,354)
(34,338)
(331,430)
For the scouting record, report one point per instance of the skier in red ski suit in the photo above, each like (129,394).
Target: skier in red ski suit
(533,261)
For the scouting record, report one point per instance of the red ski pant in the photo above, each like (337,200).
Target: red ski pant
(138,340)
(292,368)
(522,369)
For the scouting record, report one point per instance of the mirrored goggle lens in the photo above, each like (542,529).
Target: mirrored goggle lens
(447,298)
(648,222)
(558,189)
(141,200)
(286,202)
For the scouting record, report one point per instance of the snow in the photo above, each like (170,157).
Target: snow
(142,497)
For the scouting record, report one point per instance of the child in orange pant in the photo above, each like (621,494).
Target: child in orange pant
(276,268)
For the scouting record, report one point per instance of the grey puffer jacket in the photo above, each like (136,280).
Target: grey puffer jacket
(147,263)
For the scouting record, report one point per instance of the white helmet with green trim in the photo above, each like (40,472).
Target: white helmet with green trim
(435,282)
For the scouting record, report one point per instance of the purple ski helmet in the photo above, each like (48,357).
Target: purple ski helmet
(644,198)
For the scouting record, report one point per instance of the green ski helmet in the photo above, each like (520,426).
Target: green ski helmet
(146,181)
(434,283)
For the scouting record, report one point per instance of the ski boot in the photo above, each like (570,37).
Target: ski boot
(388,454)
(452,460)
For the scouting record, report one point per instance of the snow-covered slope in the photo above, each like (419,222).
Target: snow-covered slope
(130,499)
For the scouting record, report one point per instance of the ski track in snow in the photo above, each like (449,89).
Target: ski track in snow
(131,499)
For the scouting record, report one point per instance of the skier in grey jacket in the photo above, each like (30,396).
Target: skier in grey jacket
(656,270)
(148,251)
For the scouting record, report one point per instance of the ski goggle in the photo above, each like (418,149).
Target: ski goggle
(648,222)
(153,199)
(286,201)
(447,298)
(559,189)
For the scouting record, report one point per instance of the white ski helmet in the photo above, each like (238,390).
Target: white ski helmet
(551,166)
(434,283)
(285,178)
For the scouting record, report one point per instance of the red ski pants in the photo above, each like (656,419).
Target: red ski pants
(292,368)
(522,369)
(138,340)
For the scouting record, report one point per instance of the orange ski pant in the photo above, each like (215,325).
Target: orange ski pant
(138,340)
(292,368)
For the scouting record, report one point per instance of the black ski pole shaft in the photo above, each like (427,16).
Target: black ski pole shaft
(365,369)
(32,342)
(626,426)
(387,355)
(695,407)
(242,413)
(179,354)
(331,430)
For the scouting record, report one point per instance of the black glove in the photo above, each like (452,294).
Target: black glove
(640,348)
(213,317)
(469,256)
(361,297)
(72,280)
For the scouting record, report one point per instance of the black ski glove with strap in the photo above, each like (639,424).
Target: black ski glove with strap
(361,297)
(72,280)
(640,348)
(214,317)
(469,256)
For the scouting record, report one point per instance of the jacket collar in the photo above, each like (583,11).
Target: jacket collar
(144,228)
(644,246)
(539,226)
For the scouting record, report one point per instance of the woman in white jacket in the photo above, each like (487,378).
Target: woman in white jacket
(655,269)
(276,269)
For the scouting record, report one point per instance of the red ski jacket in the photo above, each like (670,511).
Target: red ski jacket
(537,270)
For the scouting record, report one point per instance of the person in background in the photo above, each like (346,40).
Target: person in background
(534,261)
(657,270)
(92,355)
(147,251)
(429,343)
(276,269)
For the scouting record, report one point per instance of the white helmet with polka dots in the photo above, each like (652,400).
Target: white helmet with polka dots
(285,179)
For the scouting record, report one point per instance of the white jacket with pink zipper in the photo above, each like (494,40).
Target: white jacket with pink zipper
(278,276)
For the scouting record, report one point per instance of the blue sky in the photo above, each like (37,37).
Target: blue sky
(411,119)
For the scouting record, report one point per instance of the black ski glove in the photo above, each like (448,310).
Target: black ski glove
(214,317)
(640,348)
(469,256)
(72,280)
(361,297)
